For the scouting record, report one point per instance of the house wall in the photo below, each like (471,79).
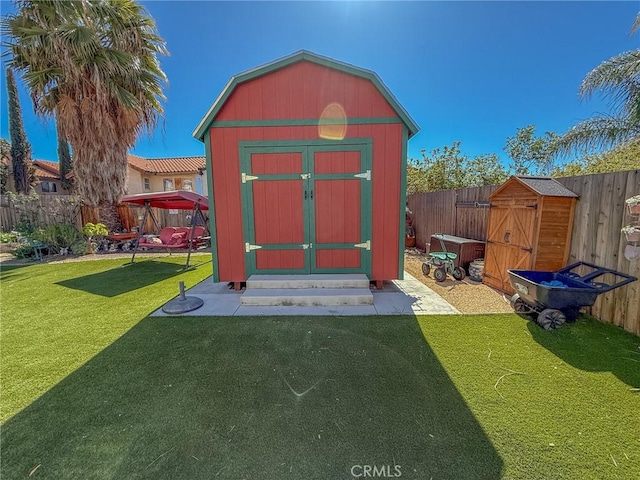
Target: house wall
(156,181)
(59,190)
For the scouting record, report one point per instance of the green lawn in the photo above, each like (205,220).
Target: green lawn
(94,388)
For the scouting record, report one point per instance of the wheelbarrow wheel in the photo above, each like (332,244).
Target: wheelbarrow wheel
(519,305)
(440,274)
(426,268)
(459,273)
(551,318)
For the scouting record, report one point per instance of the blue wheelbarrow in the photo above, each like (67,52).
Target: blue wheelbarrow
(554,298)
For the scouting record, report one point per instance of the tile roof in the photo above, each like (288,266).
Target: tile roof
(166,165)
(47,170)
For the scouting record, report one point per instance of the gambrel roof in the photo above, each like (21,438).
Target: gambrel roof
(303,55)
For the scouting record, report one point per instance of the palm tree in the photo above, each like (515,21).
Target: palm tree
(93,65)
(618,79)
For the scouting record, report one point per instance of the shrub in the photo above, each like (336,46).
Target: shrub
(59,236)
(79,247)
(8,237)
(92,230)
(23,251)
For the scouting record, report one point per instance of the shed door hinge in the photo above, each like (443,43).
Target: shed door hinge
(247,178)
(366,175)
(248,247)
(366,245)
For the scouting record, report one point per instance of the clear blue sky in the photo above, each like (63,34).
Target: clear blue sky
(468,71)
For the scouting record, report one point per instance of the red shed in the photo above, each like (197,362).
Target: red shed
(306,158)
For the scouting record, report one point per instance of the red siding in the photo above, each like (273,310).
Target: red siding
(386,178)
(303,90)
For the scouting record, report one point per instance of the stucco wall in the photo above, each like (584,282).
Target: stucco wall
(135,182)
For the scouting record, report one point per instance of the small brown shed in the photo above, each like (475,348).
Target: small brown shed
(530,225)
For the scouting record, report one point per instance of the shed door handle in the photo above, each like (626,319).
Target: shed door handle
(311,194)
(506,236)
(305,194)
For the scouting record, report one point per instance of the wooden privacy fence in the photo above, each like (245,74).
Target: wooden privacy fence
(596,238)
(128,215)
(41,211)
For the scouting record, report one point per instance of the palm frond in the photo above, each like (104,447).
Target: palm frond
(636,25)
(94,64)
(618,79)
(597,133)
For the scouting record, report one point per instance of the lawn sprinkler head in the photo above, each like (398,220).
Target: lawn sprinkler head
(182,304)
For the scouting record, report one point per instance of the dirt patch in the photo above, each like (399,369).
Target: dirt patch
(467,296)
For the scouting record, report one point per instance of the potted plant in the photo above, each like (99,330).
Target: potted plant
(632,232)
(633,204)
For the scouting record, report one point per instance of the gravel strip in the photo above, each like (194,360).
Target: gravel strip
(467,296)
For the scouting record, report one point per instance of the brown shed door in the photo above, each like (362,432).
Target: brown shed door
(509,243)
(306,209)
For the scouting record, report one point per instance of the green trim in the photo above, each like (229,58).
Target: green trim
(212,211)
(336,246)
(303,55)
(403,201)
(335,176)
(305,122)
(274,146)
(277,176)
(283,271)
(281,246)
(307,149)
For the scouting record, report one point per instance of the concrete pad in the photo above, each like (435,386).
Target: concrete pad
(399,297)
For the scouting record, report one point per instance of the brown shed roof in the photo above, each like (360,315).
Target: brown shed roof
(544,186)
(547,186)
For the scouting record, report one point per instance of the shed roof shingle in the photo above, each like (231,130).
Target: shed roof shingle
(547,186)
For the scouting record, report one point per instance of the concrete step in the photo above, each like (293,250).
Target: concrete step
(306,297)
(349,280)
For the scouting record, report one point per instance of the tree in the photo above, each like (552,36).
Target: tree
(485,170)
(5,153)
(447,167)
(23,171)
(94,65)
(623,157)
(64,160)
(531,155)
(618,79)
